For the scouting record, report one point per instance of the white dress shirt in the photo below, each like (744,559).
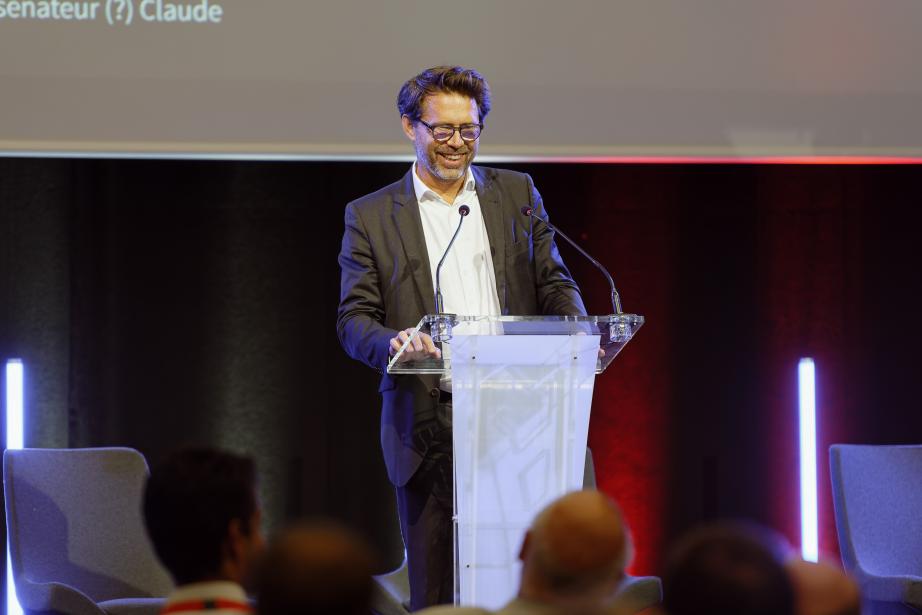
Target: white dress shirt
(467,279)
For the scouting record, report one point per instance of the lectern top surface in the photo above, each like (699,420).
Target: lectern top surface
(613,331)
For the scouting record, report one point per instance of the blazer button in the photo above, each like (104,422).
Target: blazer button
(434,392)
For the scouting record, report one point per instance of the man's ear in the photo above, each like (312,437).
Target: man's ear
(409,127)
(526,545)
(236,533)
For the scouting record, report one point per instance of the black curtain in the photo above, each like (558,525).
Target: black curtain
(157,303)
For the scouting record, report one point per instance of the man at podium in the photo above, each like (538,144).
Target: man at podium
(501,262)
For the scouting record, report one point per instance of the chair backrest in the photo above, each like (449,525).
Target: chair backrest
(74,516)
(877,495)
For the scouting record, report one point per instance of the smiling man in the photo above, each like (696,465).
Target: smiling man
(445,149)
(501,263)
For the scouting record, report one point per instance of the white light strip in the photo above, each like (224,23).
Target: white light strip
(14,404)
(14,440)
(806,378)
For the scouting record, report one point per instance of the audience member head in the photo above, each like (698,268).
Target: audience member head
(203,516)
(575,553)
(726,570)
(317,567)
(823,589)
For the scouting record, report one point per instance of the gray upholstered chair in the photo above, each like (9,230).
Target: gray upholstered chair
(77,539)
(877,495)
(392,590)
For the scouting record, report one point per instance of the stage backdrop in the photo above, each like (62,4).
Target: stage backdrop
(157,303)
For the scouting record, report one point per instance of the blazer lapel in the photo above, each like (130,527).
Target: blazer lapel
(410,226)
(492,207)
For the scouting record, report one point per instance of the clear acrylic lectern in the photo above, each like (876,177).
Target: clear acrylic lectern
(521,395)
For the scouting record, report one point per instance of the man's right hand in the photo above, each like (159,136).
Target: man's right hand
(422,347)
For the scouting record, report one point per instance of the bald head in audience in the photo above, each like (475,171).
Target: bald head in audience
(316,567)
(823,589)
(574,554)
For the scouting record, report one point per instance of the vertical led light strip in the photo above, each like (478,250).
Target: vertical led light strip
(14,440)
(806,380)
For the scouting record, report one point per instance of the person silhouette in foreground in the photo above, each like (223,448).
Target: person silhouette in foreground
(573,560)
(203,517)
(823,589)
(317,568)
(726,569)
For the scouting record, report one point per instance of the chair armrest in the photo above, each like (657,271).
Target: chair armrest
(391,591)
(54,596)
(912,591)
(637,593)
(895,588)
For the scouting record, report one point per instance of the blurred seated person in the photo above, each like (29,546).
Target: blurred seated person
(726,569)
(202,514)
(573,560)
(823,589)
(316,568)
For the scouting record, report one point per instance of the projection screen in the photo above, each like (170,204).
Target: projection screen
(571,80)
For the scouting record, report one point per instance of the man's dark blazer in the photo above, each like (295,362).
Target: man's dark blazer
(387,287)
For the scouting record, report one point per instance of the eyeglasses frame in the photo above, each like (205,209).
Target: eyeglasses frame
(455,128)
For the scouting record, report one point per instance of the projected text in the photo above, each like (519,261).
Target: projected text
(114,12)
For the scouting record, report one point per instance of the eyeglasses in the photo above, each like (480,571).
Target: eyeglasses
(444,132)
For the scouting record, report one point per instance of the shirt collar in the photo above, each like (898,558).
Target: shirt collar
(425,193)
(208,590)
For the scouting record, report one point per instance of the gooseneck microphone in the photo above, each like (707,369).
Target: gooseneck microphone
(615,298)
(462,211)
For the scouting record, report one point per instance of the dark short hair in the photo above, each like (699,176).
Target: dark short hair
(189,502)
(450,79)
(726,569)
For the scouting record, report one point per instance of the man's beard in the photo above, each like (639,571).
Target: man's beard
(434,165)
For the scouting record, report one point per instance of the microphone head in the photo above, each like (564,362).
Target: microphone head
(464,210)
(527,211)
